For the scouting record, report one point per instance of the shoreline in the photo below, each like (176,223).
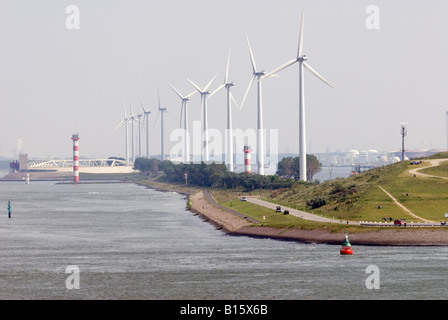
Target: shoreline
(235,225)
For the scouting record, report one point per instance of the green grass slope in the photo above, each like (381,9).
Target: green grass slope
(359,198)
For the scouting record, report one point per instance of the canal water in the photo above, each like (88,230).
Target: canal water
(129,242)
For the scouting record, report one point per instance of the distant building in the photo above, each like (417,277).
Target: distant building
(370,158)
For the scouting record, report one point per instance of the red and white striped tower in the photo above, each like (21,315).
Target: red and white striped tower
(75,139)
(247,166)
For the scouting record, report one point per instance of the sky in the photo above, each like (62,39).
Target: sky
(388,66)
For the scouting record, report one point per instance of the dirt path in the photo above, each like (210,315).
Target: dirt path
(415,172)
(433,163)
(404,208)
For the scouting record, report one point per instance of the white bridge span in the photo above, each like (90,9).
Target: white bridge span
(85,165)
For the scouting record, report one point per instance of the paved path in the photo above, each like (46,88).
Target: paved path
(299,213)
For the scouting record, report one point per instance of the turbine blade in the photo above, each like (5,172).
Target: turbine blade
(299,50)
(226,78)
(234,101)
(158,96)
(122,122)
(195,85)
(283,66)
(216,90)
(190,94)
(252,60)
(157,117)
(141,104)
(208,84)
(177,92)
(247,91)
(316,74)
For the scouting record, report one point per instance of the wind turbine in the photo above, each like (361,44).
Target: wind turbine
(184,109)
(227,84)
(204,93)
(301,59)
(146,115)
(139,135)
(125,121)
(260,141)
(132,119)
(161,111)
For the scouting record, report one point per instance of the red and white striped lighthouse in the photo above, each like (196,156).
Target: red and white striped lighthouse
(75,139)
(247,166)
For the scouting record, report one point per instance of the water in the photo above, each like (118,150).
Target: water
(130,242)
(331,173)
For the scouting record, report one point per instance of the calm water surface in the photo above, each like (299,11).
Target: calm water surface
(130,242)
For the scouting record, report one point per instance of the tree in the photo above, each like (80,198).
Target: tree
(147,166)
(289,167)
(313,166)
(285,168)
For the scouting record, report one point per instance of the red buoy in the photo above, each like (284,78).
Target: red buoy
(346,246)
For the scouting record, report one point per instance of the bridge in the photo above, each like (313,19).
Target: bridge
(85,165)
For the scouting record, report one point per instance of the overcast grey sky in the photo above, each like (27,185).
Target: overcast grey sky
(55,82)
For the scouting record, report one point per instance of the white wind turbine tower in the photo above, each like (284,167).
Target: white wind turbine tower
(146,114)
(227,84)
(260,141)
(139,135)
(161,111)
(133,117)
(205,94)
(184,109)
(301,60)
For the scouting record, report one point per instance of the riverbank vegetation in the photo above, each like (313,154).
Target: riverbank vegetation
(208,175)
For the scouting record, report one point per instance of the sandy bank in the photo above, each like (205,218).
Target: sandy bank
(235,225)
(389,237)
(229,222)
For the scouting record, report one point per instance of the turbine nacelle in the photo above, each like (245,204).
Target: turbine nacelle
(302,58)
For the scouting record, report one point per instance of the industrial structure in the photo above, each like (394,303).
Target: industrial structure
(247,166)
(76,165)
(84,165)
(75,139)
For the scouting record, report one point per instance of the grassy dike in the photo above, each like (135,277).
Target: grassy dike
(357,198)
